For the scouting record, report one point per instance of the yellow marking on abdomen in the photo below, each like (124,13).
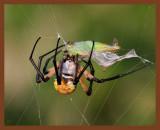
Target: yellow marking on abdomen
(63,88)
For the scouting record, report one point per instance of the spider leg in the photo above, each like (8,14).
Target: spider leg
(83,85)
(89,92)
(51,72)
(45,71)
(55,63)
(34,64)
(85,67)
(38,77)
(40,62)
(77,66)
(91,82)
(93,78)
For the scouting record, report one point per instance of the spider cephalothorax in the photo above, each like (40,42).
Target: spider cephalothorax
(69,72)
(68,69)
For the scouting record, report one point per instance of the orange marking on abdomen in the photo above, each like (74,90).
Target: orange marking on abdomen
(64,88)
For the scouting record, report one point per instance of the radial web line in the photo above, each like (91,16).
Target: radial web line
(11,99)
(78,110)
(85,109)
(152,72)
(132,103)
(29,21)
(25,109)
(35,93)
(42,8)
(38,104)
(36,98)
(37,101)
(15,94)
(105,100)
(54,20)
(108,95)
(90,99)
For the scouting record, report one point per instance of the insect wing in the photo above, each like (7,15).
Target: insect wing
(84,47)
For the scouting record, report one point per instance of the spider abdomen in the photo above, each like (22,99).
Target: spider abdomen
(64,88)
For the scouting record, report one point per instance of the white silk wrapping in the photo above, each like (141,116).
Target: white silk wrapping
(107,59)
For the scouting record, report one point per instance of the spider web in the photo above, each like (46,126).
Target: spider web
(81,111)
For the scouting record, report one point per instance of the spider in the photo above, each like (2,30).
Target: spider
(68,71)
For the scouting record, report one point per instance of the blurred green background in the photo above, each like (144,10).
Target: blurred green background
(127,101)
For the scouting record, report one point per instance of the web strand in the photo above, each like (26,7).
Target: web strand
(82,115)
(38,104)
(25,109)
(15,95)
(75,106)
(85,109)
(107,95)
(105,100)
(132,103)
(89,100)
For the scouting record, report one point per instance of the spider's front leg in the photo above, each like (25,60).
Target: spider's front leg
(34,64)
(54,70)
(85,67)
(45,71)
(39,75)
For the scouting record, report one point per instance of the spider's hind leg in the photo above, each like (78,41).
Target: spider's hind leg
(89,92)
